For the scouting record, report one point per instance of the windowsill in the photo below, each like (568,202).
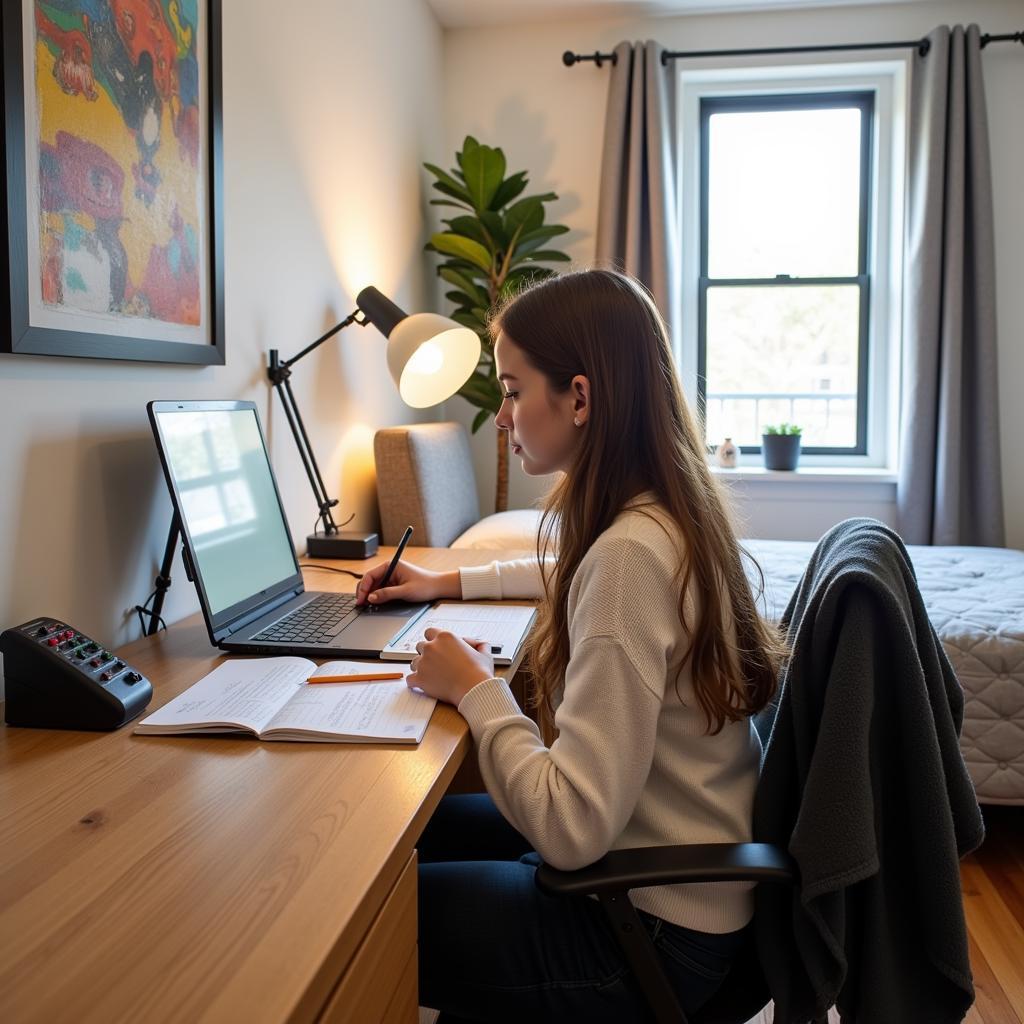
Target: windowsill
(809,474)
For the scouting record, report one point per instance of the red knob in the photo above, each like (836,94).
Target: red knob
(53,641)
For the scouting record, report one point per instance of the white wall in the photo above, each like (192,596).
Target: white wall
(507,86)
(327,118)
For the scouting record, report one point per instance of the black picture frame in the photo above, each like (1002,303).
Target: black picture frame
(17,334)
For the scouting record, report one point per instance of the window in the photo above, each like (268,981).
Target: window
(791,194)
(784,288)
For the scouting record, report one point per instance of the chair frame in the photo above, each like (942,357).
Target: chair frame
(611,878)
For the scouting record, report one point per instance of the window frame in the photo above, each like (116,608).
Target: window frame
(887,79)
(864,100)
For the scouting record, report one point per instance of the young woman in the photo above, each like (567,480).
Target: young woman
(649,657)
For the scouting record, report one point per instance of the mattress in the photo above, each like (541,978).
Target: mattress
(975,599)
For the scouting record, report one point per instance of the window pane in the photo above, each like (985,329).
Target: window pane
(784,193)
(783,353)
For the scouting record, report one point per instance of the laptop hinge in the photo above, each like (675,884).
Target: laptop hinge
(258,613)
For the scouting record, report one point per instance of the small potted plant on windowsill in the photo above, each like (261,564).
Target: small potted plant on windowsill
(781,446)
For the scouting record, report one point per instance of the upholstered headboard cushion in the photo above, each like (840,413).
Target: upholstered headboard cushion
(425,480)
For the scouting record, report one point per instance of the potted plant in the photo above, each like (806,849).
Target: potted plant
(781,446)
(491,249)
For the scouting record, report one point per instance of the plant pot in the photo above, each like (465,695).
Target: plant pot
(781,451)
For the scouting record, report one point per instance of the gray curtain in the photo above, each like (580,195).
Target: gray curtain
(636,217)
(950,487)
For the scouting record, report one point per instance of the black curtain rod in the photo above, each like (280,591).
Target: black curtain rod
(921,45)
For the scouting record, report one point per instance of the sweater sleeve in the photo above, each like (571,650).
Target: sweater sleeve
(572,801)
(520,577)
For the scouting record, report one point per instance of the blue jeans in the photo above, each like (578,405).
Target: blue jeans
(493,947)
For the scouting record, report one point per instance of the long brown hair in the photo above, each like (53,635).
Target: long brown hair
(640,436)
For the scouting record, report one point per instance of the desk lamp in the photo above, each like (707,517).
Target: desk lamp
(429,357)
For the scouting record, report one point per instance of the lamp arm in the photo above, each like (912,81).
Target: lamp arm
(352,318)
(316,480)
(279,373)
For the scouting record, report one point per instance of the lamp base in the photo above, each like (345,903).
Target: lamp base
(341,545)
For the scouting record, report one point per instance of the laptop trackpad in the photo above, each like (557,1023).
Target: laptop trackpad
(373,630)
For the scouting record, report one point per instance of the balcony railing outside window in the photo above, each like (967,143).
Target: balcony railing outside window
(828,421)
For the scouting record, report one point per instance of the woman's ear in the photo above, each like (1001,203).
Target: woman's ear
(580,389)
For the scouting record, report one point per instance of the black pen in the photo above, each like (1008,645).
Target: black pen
(394,561)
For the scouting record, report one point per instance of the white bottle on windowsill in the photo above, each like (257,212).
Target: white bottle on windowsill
(727,455)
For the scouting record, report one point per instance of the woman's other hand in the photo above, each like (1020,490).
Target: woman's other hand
(448,667)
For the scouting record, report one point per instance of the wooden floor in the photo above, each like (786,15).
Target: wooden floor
(993,886)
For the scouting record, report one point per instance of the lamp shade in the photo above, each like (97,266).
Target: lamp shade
(429,356)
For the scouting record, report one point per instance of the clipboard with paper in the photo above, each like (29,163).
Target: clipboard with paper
(503,626)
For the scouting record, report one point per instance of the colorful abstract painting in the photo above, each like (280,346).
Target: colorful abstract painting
(117,176)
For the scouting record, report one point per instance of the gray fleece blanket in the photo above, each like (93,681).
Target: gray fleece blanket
(864,783)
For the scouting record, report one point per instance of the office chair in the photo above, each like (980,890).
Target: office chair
(868,696)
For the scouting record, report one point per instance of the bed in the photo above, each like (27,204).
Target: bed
(974,596)
(975,599)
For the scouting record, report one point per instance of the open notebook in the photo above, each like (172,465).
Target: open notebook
(270,698)
(503,626)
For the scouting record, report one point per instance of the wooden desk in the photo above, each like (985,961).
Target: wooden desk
(150,879)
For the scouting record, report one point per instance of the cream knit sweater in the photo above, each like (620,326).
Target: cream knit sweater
(632,764)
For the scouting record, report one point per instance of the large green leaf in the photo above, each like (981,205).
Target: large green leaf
(541,234)
(470,227)
(459,194)
(465,284)
(467,320)
(484,169)
(468,269)
(466,248)
(508,190)
(460,299)
(450,202)
(443,177)
(480,419)
(526,214)
(522,248)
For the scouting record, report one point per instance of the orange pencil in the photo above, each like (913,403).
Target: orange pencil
(359,678)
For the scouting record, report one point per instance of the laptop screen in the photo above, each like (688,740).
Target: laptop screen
(228,501)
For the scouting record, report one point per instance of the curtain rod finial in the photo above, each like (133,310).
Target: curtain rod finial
(568,58)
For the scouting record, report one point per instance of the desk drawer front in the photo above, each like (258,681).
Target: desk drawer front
(381,982)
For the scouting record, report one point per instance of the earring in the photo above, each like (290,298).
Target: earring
(577,422)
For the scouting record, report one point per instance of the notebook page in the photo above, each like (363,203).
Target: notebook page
(500,625)
(242,692)
(383,709)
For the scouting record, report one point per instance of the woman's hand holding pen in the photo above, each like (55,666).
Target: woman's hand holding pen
(448,667)
(408,583)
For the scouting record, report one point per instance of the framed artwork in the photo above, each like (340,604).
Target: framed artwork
(112,171)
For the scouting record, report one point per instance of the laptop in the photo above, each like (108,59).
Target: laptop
(237,546)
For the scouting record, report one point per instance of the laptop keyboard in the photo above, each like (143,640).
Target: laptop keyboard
(317,621)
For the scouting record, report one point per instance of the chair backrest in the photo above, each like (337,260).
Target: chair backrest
(864,783)
(425,479)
